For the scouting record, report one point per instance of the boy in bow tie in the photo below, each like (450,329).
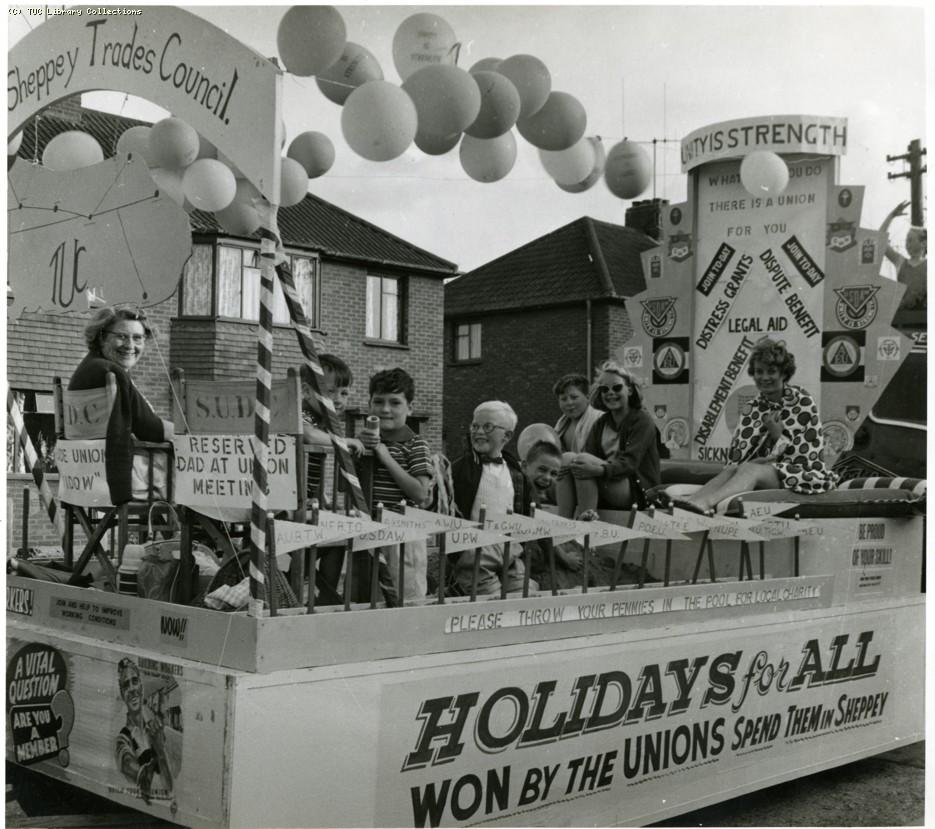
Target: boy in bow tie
(488,477)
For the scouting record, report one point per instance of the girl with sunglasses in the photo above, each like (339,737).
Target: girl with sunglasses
(620,457)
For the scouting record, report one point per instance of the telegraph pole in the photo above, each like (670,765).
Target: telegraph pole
(914,174)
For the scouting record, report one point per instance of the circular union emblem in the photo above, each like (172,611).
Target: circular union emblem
(675,215)
(675,434)
(841,356)
(854,319)
(669,361)
(836,439)
(656,326)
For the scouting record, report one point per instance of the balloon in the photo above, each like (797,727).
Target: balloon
(379,121)
(536,433)
(13,145)
(558,124)
(241,217)
(486,65)
(170,183)
(570,166)
(70,151)
(628,170)
(314,151)
(763,173)
(173,144)
(532,80)
(208,184)
(238,173)
(310,39)
(293,183)
(437,144)
(422,40)
(356,66)
(135,142)
(499,106)
(600,158)
(447,99)
(488,159)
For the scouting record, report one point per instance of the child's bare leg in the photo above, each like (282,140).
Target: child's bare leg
(706,495)
(615,494)
(587,492)
(565,494)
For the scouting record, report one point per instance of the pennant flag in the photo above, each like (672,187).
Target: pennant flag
(735,529)
(692,522)
(601,533)
(388,536)
(414,518)
(657,525)
(468,537)
(331,526)
(521,527)
(782,528)
(564,525)
(763,509)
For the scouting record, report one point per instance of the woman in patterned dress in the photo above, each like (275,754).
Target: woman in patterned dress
(777,442)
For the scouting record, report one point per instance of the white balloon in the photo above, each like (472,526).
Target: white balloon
(600,159)
(314,151)
(293,183)
(570,166)
(763,173)
(134,142)
(70,151)
(447,99)
(241,217)
(628,170)
(379,121)
(208,184)
(536,433)
(488,159)
(422,40)
(310,39)
(173,144)
(355,67)
(499,106)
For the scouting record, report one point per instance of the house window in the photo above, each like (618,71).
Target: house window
(385,308)
(237,287)
(467,341)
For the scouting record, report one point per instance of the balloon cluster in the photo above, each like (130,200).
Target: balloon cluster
(191,171)
(438,106)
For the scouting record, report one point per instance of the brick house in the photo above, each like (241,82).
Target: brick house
(372,298)
(558,304)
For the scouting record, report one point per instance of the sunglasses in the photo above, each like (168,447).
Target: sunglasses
(616,388)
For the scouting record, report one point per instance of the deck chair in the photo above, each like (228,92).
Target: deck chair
(81,420)
(225,409)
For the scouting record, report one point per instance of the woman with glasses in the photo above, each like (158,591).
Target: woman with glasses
(621,454)
(116,338)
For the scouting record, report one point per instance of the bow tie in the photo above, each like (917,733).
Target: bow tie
(492,460)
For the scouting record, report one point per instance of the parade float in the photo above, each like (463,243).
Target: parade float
(785,637)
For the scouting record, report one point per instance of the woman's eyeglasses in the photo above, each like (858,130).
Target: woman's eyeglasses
(136,339)
(486,428)
(616,388)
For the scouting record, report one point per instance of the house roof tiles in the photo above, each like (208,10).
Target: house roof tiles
(586,259)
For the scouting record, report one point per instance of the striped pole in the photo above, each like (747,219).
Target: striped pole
(264,376)
(32,459)
(323,404)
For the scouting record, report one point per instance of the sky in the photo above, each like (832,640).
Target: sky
(642,72)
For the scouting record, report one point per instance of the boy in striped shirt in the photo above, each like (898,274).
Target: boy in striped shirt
(402,469)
